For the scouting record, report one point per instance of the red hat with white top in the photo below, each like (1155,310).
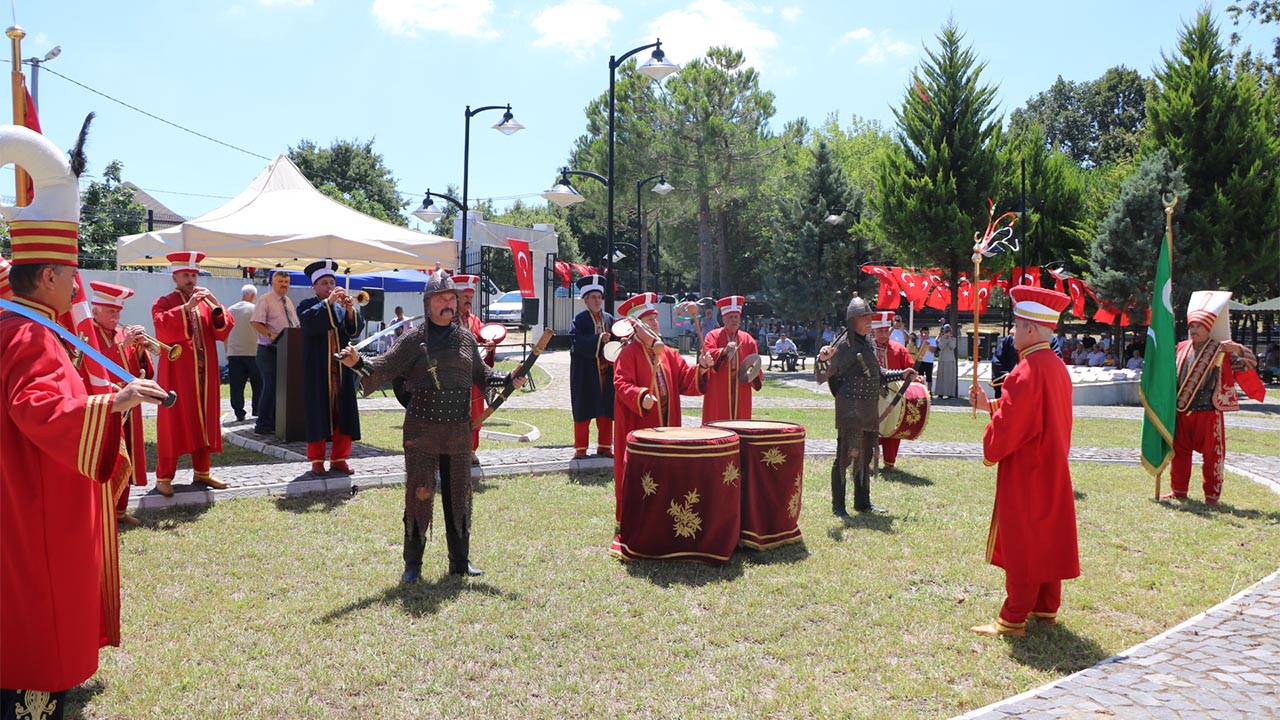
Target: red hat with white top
(882,319)
(185,260)
(467,283)
(731,304)
(106,294)
(638,306)
(1038,305)
(1210,308)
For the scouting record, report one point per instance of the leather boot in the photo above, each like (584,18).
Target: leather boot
(862,492)
(838,490)
(456,534)
(414,546)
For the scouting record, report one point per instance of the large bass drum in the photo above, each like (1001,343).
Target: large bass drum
(681,495)
(772,480)
(906,419)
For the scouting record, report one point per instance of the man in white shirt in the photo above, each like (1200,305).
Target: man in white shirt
(242,348)
(273,313)
(1098,356)
(786,350)
(923,352)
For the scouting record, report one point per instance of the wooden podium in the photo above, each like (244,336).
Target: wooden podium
(290,420)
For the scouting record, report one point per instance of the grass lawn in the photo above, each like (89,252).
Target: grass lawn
(383,429)
(273,608)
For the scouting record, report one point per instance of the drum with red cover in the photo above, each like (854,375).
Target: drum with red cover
(772,481)
(681,495)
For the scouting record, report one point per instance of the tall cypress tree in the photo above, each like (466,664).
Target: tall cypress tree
(812,264)
(934,187)
(1219,129)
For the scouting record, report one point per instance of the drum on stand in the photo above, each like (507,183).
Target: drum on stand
(681,495)
(493,333)
(906,419)
(772,481)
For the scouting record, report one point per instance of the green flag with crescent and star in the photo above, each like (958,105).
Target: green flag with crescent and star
(1159,385)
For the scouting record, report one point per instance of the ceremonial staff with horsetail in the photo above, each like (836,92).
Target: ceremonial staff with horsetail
(997,238)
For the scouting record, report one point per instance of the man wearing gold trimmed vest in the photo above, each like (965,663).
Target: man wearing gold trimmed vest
(1209,367)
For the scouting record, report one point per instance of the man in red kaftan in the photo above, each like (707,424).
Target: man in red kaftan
(892,355)
(1033,526)
(191,318)
(648,380)
(467,286)
(725,397)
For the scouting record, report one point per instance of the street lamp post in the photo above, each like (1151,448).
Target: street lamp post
(656,68)
(430,213)
(662,188)
(35,64)
(507,126)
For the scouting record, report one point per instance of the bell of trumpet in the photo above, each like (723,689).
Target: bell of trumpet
(362,298)
(157,347)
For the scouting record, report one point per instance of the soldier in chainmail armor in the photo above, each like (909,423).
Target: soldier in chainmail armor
(439,362)
(856,379)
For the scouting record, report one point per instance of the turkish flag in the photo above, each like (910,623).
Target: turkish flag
(964,302)
(912,286)
(939,297)
(523,258)
(1026,276)
(1076,289)
(984,295)
(562,269)
(888,298)
(80,321)
(582,270)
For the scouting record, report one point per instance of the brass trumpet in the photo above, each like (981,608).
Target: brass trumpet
(213,304)
(157,347)
(361,298)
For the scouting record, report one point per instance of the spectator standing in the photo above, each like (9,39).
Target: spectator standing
(242,353)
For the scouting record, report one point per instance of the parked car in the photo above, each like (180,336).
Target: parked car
(507,308)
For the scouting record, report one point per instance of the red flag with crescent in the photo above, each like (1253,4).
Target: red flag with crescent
(888,298)
(913,286)
(1076,289)
(563,270)
(523,259)
(984,295)
(964,297)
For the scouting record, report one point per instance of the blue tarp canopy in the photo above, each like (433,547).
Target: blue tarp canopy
(387,280)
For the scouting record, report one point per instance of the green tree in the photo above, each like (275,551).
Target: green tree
(1055,190)
(108,211)
(1095,122)
(935,184)
(350,172)
(810,262)
(1122,261)
(1264,12)
(1220,131)
(719,140)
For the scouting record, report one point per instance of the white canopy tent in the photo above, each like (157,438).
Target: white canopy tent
(282,221)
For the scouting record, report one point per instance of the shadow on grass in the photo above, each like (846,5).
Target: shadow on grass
(904,477)
(594,477)
(1196,507)
(1056,649)
(307,504)
(781,555)
(880,522)
(166,519)
(667,574)
(422,598)
(1080,495)
(80,695)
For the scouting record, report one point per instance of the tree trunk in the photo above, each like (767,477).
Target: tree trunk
(725,264)
(706,266)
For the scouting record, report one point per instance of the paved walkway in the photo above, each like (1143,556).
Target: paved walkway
(1222,664)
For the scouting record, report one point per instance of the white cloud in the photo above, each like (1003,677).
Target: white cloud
(286,3)
(688,33)
(791,14)
(858,34)
(575,26)
(882,49)
(456,17)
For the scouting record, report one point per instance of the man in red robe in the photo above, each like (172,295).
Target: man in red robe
(648,380)
(127,347)
(1033,526)
(191,318)
(1210,366)
(725,397)
(467,286)
(892,355)
(59,445)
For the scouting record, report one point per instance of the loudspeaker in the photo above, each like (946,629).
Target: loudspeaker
(374,311)
(529,312)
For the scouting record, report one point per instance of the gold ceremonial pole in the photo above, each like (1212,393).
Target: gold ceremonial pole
(1169,205)
(19,88)
(977,339)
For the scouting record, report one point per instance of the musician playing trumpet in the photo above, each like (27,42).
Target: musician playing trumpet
(329,321)
(127,346)
(726,396)
(193,319)
(648,380)
(590,373)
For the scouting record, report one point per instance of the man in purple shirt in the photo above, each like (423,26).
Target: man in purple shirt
(273,313)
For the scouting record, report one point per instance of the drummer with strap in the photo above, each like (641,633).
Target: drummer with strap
(727,386)
(891,355)
(590,371)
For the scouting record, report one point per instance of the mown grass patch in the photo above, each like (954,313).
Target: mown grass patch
(291,608)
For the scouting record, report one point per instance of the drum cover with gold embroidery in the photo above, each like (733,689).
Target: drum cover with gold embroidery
(772,481)
(907,419)
(681,495)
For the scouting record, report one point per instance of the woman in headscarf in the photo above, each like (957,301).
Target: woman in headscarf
(945,383)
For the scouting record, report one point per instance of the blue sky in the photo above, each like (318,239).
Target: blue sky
(262,74)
